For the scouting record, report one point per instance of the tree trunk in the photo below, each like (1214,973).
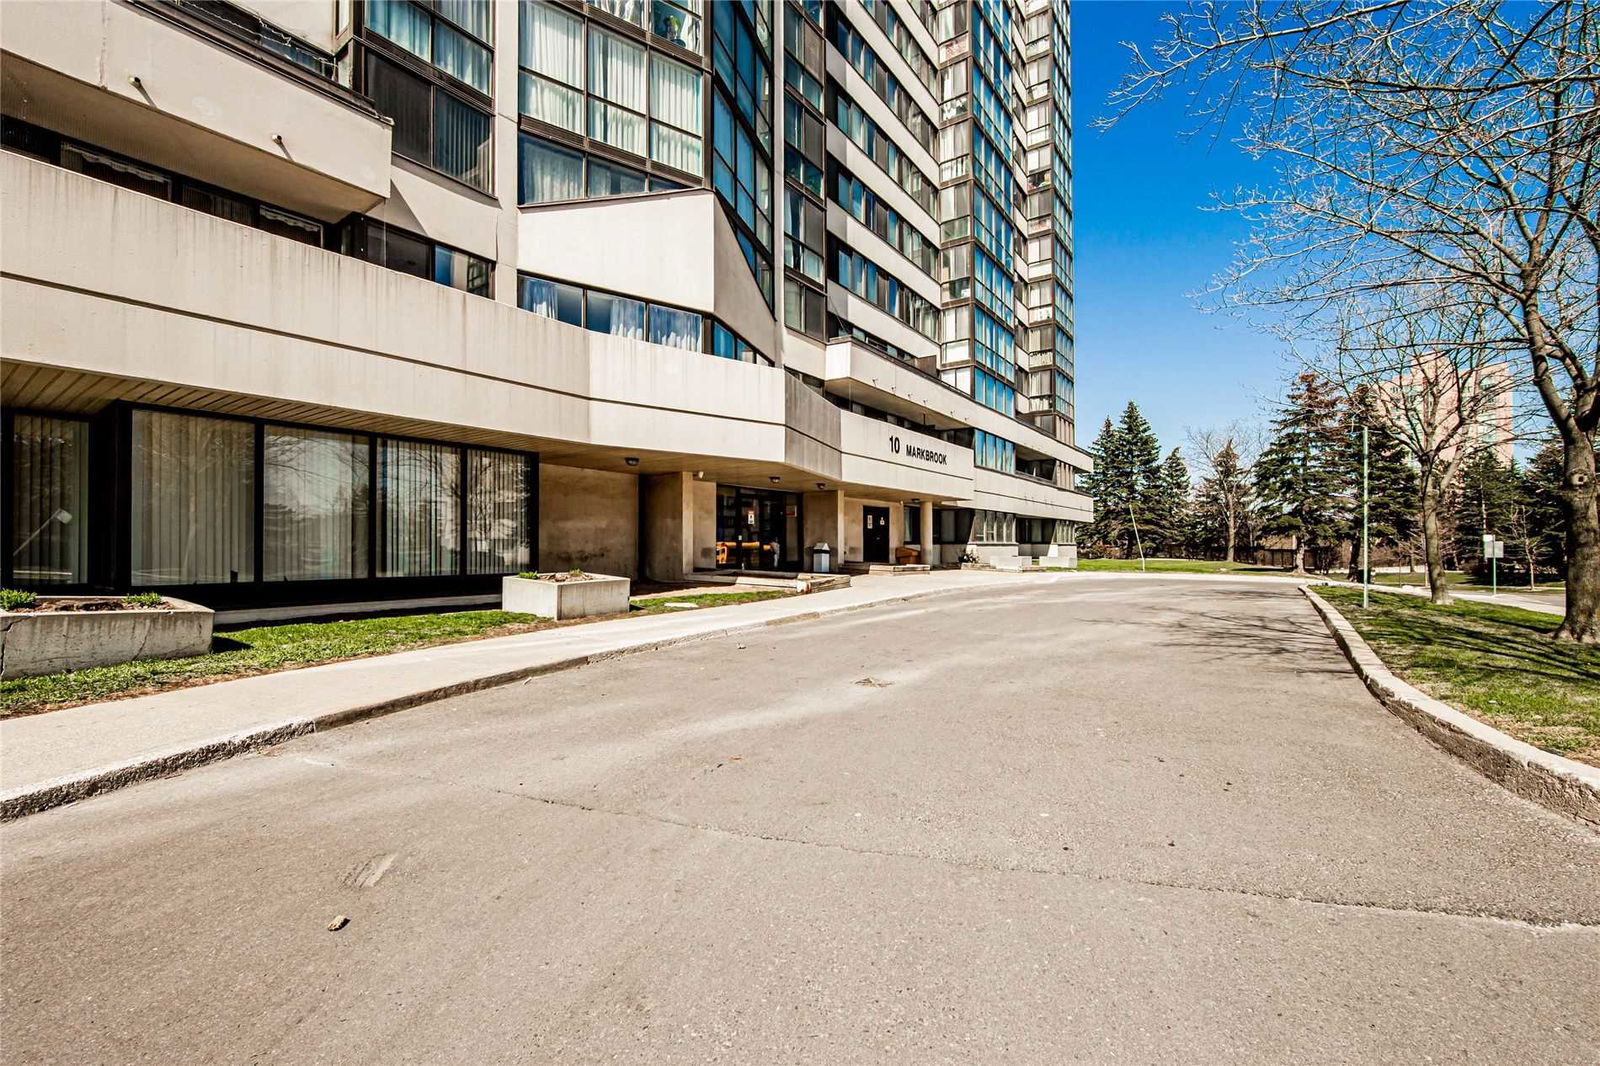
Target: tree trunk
(1299,556)
(1578,502)
(1233,532)
(1432,550)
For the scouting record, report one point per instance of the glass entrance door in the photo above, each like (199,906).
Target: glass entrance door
(757,529)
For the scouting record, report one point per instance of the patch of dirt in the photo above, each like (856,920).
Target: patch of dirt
(76,604)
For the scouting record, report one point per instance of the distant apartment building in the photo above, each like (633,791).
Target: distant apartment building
(320,301)
(1472,408)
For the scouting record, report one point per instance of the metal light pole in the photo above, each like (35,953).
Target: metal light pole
(1136,538)
(1366,503)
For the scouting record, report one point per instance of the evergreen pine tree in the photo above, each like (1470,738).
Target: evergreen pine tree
(1542,484)
(1484,496)
(1299,477)
(1106,484)
(1171,508)
(1140,466)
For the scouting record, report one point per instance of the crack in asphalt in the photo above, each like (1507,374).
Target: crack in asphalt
(1419,910)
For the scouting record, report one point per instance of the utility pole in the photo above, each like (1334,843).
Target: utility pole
(1366,504)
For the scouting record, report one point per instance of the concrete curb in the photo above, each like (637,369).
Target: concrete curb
(1561,785)
(35,798)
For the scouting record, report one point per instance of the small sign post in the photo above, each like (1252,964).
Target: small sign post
(1494,550)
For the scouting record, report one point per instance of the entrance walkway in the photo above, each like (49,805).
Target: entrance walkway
(63,755)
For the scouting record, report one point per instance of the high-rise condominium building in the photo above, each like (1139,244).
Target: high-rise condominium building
(320,301)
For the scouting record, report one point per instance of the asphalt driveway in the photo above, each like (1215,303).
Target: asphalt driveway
(1073,820)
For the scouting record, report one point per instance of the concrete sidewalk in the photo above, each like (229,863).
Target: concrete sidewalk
(60,756)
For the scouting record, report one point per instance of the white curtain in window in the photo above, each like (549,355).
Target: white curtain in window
(552,42)
(675,94)
(674,148)
(404,23)
(498,540)
(617,70)
(674,328)
(193,500)
(549,173)
(549,102)
(618,128)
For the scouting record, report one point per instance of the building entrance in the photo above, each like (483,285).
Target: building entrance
(758,529)
(875,534)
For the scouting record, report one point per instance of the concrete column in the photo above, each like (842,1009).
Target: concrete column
(668,526)
(822,519)
(925,527)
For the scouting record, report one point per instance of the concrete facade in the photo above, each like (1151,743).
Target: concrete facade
(128,288)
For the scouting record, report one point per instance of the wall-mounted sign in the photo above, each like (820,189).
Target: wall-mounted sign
(917,451)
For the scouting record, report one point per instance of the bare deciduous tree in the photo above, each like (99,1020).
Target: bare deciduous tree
(1446,146)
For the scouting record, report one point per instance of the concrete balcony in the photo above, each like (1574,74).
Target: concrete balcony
(159,84)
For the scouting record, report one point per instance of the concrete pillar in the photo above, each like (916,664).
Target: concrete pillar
(668,526)
(925,527)
(822,519)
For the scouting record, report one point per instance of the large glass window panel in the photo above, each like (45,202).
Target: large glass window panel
(674,148)
(608,179)
(616,127)
(675,94)
(550,102)
(314,504)
(419,520)
(634,11)
(471,15)
(674,328)
(616,315)
(193,500)
(552,42)
(461,140)
(673,22)
(460,270)
(548,172)
(551,299)
(616,69)
(499,540)
(49,496)
(408,100)
(461,57)
(404,23)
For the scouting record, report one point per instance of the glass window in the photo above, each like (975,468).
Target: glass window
(461,140)
(616,127)
(408,100)
(461,57)
(49,497)
(404,23)
(552,299)
(674,328)
(314,504)
(470,15)
(675,94)
(291,226)
(673,22)
(116,171)
(460,270)
(419,518)
(543,99)
(498,534)
(616,315)
(608,179)
(548,172)
(634,11)
(193,500)
(617,69)
(220,204)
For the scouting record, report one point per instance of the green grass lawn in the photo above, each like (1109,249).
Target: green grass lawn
(1456,578)
(1176,566)
(264,649)
(1496,663)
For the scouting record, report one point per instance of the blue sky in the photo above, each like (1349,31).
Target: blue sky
(1144,242)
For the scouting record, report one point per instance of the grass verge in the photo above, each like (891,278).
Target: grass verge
(1175,566)
(1471,582)
(267,649)
(1496,663)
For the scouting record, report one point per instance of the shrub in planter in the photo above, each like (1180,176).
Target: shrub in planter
(11,599)
(143,599)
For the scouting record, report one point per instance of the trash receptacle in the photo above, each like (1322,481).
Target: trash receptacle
(820,556)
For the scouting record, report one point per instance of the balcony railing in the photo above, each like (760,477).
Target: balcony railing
(251,29)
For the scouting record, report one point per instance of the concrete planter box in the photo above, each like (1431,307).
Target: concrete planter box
(49,642)
(549,598)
